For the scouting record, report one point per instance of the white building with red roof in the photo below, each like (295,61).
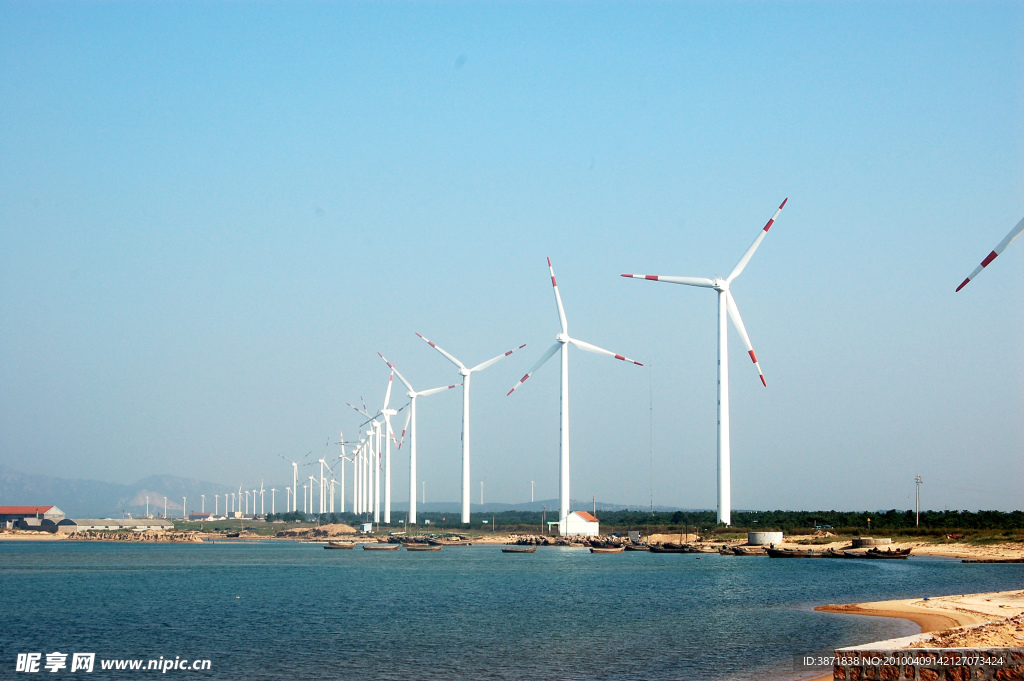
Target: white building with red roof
(580,523)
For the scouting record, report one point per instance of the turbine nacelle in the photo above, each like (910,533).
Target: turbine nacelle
(720,284)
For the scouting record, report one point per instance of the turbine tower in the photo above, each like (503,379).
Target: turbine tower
(1010,238)
(726,305)
(295,483)
(562,341)
(410,425)
(467,374)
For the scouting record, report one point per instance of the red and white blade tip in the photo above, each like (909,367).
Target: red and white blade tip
(521,381)
(753,358)
(652,277)
(627,359)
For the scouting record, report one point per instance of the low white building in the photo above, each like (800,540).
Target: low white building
(579,523)
(112,524)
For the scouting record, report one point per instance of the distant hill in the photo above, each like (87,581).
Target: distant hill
(98,499)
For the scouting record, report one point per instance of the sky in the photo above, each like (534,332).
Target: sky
(214,215)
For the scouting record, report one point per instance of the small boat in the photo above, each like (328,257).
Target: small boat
(607,549)
(665,548)
(898,554)
(339,545)
(790,553)
(519,549)
(380,547)
(637,547)
(450,542)
(421,547)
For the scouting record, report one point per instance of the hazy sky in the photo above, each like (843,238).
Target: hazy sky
(214,215)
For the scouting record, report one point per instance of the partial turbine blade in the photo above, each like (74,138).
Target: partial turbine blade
(450,358)
(387,395)
(405,428)
(582,345)
(361,411)
(1010,238)
(558,300)
(484,365)
(753,247)
(397,373)
(437,390)
(734,314)
(703,282)
(545,357)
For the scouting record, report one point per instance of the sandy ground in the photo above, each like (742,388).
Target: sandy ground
(950,550)
(19,535)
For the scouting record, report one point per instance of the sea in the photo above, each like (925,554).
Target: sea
(284,610)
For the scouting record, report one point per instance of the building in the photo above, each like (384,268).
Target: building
(196,516)
(10,515)
(580,523)
(113,524)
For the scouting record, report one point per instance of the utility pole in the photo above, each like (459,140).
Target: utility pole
(481,493)
(917,482)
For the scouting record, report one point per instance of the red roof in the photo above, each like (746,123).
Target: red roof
(586,516)
(24,510)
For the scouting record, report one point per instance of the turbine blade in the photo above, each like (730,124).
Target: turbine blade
(753,247)
(558,300)
(484,365)
(405,428)
(387,395)
(397,372)
(361,411)
(703,282)
(1010,238)
(450,358)
(582,345)
(734,314)
(543,358)
(437,390)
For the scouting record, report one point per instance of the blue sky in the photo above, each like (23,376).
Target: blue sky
(214,215)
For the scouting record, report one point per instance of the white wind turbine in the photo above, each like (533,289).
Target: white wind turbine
(466,375)
(562,341)
(410,425)
(1010,238)
(726,305)
(387,413)
(295,483)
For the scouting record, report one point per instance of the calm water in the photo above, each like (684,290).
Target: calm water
(281,609)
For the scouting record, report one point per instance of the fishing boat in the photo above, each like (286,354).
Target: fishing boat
(607,549)
(519,549)
(449,542)
(422,547)
(898,554)
(380,547)
(339,545)
(790,553)
(667,548)
(637,547)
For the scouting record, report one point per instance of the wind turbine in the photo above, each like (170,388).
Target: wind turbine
(467,374)
(295,482)
(1010,238)
(562,341)
(726,305)
(262,511)
(273,498)
(410,425)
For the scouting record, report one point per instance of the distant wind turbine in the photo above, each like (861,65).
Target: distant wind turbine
(1010,238)
(726,305)
(467,374)
(410,425)
(562,341)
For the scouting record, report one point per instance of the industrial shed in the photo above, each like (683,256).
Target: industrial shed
(113,524)
(10,515)
(580,523)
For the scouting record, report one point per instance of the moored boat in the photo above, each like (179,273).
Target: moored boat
(380,547)
(422,547)
(607,549)
(519,549)
(339,545)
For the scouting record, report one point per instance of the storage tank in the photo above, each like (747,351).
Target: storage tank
(763,538)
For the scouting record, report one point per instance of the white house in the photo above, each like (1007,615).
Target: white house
(579,523)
